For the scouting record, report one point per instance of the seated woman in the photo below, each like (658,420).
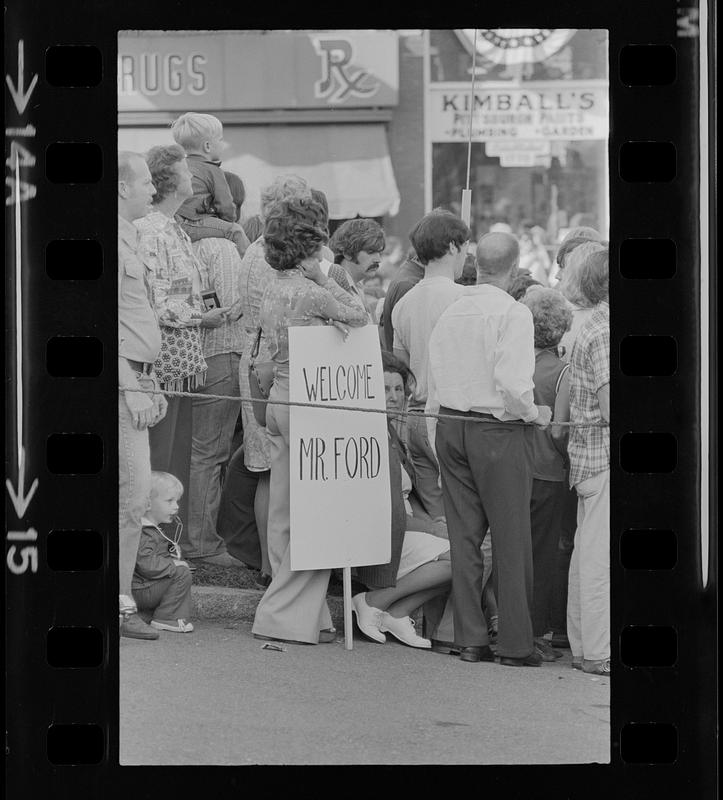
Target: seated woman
(421,572)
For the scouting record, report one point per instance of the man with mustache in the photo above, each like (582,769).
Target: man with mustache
(357,245)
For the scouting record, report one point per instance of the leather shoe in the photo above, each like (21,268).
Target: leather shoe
(446,648)
(133,627)
(483,653)
(601,667)
(262,581)
(546,652)
(533,660)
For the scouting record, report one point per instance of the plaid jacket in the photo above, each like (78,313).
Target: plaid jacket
(589,445)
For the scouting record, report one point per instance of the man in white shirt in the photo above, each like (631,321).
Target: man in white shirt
(440,240)
(481,363)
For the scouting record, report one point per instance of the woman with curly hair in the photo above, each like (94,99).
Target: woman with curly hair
(552,317)
(176,285)
(255,274)
(294,608)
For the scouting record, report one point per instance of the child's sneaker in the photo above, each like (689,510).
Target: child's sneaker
(177,625)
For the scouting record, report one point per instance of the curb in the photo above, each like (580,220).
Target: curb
(218,602)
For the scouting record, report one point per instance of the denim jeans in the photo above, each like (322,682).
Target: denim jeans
(213,227)
(134,488)
(213,427)
(588,594)
(170,442)
(168,598)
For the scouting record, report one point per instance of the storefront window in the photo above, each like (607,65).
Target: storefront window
(538,130)
(571,189)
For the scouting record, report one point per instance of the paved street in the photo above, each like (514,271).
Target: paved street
(215,697)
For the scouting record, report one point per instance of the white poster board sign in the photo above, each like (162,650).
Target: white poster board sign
(340,493)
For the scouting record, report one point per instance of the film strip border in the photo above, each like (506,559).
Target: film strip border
(61,550)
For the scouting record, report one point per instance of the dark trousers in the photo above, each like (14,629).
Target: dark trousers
(170,443)
(568,525)
(167,598)
(236,523)
(487,480)
(545,509)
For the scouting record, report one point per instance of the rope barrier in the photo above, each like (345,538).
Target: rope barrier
(300,404)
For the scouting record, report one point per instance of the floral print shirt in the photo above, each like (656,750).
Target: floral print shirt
(175,282)
(176,279)
(293,300)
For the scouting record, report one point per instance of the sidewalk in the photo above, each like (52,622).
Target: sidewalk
(227,593)
(222,602)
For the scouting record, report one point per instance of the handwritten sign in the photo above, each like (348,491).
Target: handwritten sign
(340,494)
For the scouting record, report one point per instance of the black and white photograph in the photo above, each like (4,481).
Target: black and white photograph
(364,397)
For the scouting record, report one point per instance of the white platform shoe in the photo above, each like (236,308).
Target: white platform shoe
(368,618)
(403,629)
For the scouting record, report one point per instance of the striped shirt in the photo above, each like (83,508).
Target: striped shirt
(589,445)
(220,267)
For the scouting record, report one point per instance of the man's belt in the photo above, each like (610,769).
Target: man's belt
(457,413)
(140,366)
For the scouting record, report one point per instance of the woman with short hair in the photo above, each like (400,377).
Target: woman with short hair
(419,573)
(570,287)
(176,283)
(255,274)
(551,316)
(573,238)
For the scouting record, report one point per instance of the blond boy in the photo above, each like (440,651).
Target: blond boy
(211,212)
(162,580)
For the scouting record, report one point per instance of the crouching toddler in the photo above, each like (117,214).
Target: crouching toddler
(162,580)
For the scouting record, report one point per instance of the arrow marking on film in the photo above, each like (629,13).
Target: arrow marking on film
(19,95)
(19,499)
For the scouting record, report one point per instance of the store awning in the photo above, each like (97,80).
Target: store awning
(350,163)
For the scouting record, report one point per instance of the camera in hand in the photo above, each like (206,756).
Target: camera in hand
(210,300)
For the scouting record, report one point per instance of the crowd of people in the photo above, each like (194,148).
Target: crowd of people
(496,370)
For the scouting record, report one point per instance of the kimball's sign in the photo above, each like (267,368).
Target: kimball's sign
(339,460)
(552,111)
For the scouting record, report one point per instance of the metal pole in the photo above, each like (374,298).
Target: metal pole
(466,212)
